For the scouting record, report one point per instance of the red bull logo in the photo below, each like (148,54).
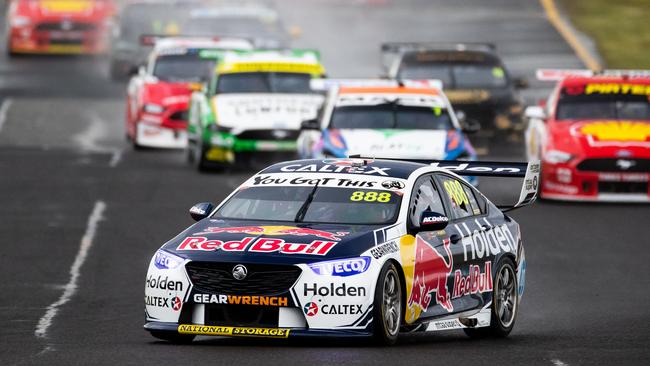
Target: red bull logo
(275,230)
(430,274)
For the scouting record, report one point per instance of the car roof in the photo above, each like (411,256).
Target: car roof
(449,56)
(377,168)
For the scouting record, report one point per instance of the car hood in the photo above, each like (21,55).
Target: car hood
(263,242)
(266,111)
(71,9)
(414,144)
(601,137)
(167,93)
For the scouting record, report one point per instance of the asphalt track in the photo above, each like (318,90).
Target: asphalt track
(62,150)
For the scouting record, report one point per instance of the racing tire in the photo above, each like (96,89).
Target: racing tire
(173,337)
(505,303)
(387,306)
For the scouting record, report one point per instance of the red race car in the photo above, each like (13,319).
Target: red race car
(593,136)
(158,96)
(59,26)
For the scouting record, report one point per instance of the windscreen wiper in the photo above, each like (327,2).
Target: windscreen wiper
(300,215)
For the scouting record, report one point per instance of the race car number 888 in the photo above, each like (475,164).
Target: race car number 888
(456,192)
(370,196)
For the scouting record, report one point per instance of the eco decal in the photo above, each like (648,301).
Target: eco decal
(342,267)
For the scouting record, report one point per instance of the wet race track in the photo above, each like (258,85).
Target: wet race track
(67,173)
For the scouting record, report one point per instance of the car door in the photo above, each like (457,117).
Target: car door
(471,235)
(429,295)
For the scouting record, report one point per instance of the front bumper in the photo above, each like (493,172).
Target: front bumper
(158,136)
(566,182)
(44,42)
(253,332)
(222,147)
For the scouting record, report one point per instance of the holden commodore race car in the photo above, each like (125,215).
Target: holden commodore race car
(253,108)
(389,118)
(158,97)
(59,26)
(593,136)
(474,78)
(345,247)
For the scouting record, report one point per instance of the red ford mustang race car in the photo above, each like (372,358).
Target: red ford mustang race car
(158,96)
(593,136)
(59,26)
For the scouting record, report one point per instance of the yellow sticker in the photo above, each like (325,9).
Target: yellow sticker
(301,68)
(498,72)
(371,196)
(456,192)
(212,330)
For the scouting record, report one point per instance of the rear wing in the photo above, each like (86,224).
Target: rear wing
(327,84)
(528,171)
(392,51)
(559,74)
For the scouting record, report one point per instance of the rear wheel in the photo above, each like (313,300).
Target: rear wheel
(172,337)
(387,306)
(504,303)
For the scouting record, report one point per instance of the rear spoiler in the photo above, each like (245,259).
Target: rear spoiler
(326,84)
(559,74)
(392,51)
(529,171)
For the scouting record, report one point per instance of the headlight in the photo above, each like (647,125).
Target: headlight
(341,267)
(20,21)
(557,156)
(153,108)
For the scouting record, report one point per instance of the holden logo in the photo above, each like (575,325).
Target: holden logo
(239,272)
(625,164)
(280,134)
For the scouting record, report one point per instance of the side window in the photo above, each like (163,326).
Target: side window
(458,198)
(425,197)
(479,206)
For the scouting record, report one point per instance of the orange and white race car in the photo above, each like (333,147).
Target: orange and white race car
(59,26)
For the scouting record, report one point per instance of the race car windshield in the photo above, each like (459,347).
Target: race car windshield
(458,76)
(181,68)
(264,82)
(329,205)
(391,116)
(633,107)
(155,19)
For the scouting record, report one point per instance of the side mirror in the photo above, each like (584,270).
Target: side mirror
(471,126)
(461,117)
(521,83)
(201,210)
(433,221)
(311,124)
(535,112)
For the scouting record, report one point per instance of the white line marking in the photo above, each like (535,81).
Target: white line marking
(557,362)
(4,108)
(115,158)
(71,287)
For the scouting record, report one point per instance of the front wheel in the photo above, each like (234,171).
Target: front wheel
(505,301)
(387,306)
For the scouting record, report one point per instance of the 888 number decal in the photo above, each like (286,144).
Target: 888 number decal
(370,196)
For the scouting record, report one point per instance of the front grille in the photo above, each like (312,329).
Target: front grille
(277,135)
(261,280)
(179,116)
(65,27)
(622,187)
(238,316)
(615,165)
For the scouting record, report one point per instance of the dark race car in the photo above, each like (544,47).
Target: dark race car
(348,248)
(474,78)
